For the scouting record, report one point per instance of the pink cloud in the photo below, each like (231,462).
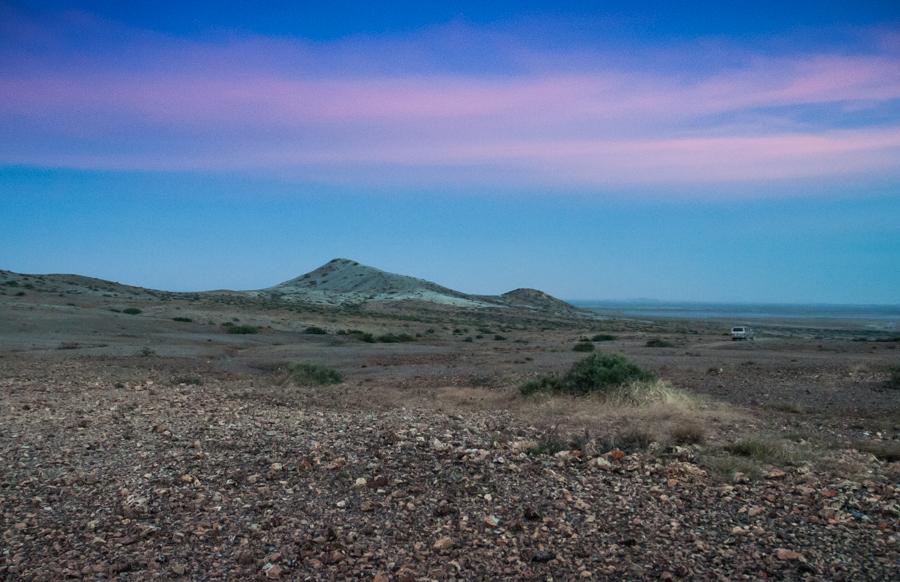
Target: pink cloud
(266,106)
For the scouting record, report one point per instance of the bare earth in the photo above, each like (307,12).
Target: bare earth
(137,447)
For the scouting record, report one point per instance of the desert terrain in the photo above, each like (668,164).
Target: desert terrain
(174,436)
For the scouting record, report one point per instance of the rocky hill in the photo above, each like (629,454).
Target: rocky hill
(347,282)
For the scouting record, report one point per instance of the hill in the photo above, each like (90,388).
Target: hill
(347,282)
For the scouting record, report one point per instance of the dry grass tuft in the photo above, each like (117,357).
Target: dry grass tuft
(687,432)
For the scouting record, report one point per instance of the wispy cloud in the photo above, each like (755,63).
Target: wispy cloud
(335,112)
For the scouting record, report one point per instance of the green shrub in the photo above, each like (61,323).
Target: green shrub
(583,347)
(603,337)
(395,338)
(313,330)
(241,329)
(304,374)
(602,373)
(132,311)
(183,319)
(659,343)
(499,338)
(893,381)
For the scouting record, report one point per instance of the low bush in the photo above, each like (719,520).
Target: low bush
(499,338)
(634,438)
(893,381)
(242,329)
(659,343)
(583,347)
(189,380)
(395,338)
(603,337)
(132,311)
(598,373)
(542,384)
(304,374)
(313,330)
(760,449)
(357,334)
(182,319)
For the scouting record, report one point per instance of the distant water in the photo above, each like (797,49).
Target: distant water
(880,316)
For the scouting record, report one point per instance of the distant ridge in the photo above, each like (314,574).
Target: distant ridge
(337,283)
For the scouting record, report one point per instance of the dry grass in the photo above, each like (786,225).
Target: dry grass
(887,451)
(762,449)
(687,432)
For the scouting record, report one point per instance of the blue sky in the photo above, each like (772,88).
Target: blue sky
(743,154)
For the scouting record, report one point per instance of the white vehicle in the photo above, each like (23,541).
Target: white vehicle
(741,332)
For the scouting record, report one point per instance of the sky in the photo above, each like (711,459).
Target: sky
(704,151)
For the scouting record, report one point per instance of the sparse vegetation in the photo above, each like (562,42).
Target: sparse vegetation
(543,384)
(634,438)
(189,380)
(893,381)
(887,451)
(687,433)
(764,450)
(357,334)
(241,329)
(583,347)
(727,467)
(132,311)
(659,343)
(395,338)
(304,374)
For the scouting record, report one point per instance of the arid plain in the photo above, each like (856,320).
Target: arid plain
(155,435)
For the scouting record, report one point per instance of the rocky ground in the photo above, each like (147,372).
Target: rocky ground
(140,438)
(137,471)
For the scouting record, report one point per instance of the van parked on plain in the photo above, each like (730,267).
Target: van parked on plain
(741,332)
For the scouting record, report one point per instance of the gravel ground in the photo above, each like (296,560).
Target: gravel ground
(119,473)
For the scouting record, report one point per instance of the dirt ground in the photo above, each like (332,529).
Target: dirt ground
(138,447)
